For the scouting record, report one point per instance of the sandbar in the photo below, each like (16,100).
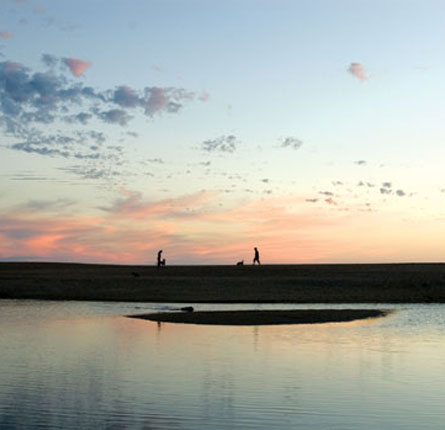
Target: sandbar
(264,317)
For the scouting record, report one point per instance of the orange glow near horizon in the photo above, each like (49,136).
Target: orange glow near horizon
(284,231)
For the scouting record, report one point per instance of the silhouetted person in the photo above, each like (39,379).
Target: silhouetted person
(161,261)
(256,258)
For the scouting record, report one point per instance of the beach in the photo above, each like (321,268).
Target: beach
(324,283)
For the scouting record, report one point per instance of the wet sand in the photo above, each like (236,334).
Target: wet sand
(335,283)
(275,317)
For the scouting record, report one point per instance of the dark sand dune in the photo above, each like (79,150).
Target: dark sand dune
(275,317)
(336,283)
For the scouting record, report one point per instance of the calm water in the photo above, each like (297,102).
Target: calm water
(84,365)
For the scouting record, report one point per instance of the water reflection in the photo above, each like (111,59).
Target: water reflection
(81,365)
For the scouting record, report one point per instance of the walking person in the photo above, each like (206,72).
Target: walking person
(256,258)
(161,262)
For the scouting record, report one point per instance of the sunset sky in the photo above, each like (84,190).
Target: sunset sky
(313,130)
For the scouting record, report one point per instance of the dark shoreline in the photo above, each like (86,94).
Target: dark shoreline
(269,317)
(328,283)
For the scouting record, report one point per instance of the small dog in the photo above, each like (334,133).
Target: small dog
(240,263)
(162,262)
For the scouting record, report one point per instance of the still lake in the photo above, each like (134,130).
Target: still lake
(84,365)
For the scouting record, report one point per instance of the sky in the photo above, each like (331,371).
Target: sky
(313,130)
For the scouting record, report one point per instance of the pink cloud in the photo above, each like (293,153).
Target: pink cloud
(196,229)
(5,35)
(157,100)
(11,67)
(191,228)
(77,66)
(133,206)
(357,70)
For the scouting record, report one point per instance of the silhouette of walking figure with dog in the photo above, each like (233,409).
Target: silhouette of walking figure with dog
(161,261)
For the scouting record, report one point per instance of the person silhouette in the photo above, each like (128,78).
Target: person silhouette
(160,261)
(256,258)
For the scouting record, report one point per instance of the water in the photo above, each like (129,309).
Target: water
(76,365)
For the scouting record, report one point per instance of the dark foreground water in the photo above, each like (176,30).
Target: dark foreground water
(71,365)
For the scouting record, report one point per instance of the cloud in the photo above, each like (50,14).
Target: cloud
(400,193)
(170,100)
(186,227)
(156,100)
(360,162)
(331,201)
(220,144)
(39,148)
(46,205)
(115,116)
(29,176)
(82,145)
(51,237)
(76,66)
(81,117)
(291,142)
(50,60)
(126,97)
(357,70)
(153,100)
(133,205)
(86,172)
(35,107)
(386,188)
(28,97)
(5,35)
(367,184)
(326,193)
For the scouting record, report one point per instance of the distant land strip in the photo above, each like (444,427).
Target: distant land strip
(264,317)
(308,283)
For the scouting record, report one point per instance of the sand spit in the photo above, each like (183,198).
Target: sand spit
(329,283)
(271,317)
